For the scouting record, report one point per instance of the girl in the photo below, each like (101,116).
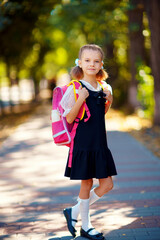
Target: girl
(91,156)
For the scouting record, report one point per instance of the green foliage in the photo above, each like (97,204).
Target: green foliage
(3,75)
(100,22)
(22,44)
(42,38)
(145,93)
(52,33)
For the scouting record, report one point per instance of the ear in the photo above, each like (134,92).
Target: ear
(79,63)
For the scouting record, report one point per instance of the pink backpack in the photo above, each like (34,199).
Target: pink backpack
(64,133)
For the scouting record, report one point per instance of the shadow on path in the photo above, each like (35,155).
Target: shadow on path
(34,191)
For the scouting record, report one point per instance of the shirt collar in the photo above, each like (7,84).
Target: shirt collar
(90,87)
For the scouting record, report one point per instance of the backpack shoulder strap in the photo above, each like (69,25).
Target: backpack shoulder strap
(101,83)
(76,84)
(84,108)
(104,85)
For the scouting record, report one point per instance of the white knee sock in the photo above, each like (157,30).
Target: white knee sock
(76,209)
(85,217)
(93,197)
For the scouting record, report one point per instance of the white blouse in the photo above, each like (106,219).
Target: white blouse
(68,99)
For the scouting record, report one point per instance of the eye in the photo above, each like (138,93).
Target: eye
(97,61)
(87,60)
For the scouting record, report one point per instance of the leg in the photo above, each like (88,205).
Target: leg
(84,196)
(84,193)
(86,184)
(105,185)
(85,189)
(95,194)
(71,214)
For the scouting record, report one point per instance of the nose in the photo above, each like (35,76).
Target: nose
(92,63)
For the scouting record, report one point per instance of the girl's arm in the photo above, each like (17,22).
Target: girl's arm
(107,106)
(109,99)
(83,94)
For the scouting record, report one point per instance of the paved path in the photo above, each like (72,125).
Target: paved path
(33,191)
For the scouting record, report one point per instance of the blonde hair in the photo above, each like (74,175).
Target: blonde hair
(77,72)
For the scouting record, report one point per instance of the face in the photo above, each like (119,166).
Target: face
(90,62)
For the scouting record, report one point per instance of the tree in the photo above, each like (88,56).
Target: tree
(136,50)
(18,20)
(153,10)
(100,22)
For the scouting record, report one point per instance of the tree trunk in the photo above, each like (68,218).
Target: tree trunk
(10,107)
(153,10)
(136,51)
(113,67)
(1,102)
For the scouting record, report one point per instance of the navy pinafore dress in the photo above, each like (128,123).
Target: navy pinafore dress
(91,155)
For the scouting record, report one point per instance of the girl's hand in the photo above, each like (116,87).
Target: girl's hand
(108,96)
(83,93)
